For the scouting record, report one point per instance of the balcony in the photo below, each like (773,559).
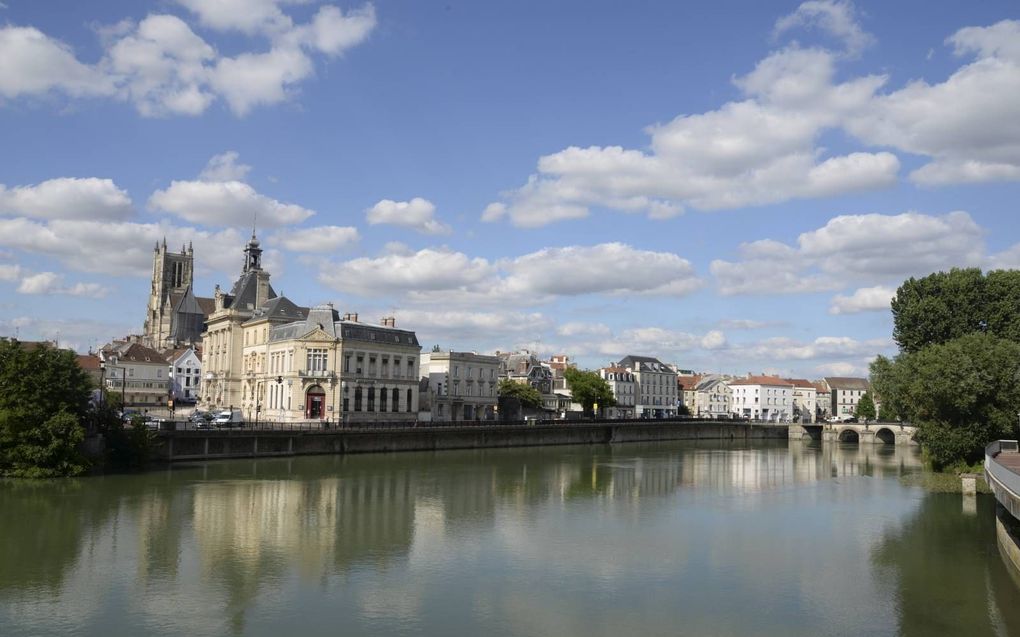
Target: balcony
(317,374)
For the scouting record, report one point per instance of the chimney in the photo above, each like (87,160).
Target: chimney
(354,317)
(389,321)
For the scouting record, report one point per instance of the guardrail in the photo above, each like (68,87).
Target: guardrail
(1000,477)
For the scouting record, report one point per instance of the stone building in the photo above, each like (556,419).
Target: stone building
(805,400)
(763,398)
(656,386)
(185,374)
(137,371)
(175,316)
(624,387)
(845,393)
(461,385)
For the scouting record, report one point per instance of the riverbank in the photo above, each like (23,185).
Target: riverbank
(180,446)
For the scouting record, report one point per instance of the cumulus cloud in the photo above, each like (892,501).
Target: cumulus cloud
(10,272)
(783,348)
(853,248)
(49,283)
(225,167)
(225,203)
(164,68)
(322,239)
(458,327)
(118,248)
(871,299)
(838,19)
(609,268)
(67,198)
(417,213)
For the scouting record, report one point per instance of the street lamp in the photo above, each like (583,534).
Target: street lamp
(343,402)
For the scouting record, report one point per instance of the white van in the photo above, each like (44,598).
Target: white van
(228,418)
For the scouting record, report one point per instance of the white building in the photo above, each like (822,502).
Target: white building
(185,374)
(137,371)
(656,395)
(621,381)
(845,393)
(713,398)
(461,385)
(763,398)
(805,400)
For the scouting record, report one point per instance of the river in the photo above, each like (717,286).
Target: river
(633,539)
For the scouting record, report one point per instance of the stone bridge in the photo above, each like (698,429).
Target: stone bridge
(889,433)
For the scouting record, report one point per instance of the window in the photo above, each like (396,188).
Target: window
(396,400)
(317,360)
(159,373)
(371,399)
(347,362)
(360,365)
(179,370)
(409,397)
(382,399)
(410,368)
(357,399)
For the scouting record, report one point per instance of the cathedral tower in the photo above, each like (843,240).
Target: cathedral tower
(172,274)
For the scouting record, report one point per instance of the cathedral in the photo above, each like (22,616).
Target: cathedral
(175,317)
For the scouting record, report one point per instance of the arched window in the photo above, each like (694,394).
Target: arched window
(396,400)
(382,399)
(371,399)
(409,395)
(357,399)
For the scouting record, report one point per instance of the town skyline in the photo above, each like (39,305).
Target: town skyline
(755,217)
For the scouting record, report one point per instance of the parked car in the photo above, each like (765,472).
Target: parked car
(229,418)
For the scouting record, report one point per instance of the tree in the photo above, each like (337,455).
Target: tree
(589,389)
(947,305)
(523,392)
(961,395)
(865,407)
(44,401)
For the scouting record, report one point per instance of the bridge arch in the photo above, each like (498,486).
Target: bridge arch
(849,435)
(885,435)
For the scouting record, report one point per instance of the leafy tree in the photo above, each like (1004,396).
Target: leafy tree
(683,410)
(523,392)
(947,305)
(44,400)
(865,407)
(589,389)
(961,394)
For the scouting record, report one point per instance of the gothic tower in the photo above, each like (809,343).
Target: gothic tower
(172,274)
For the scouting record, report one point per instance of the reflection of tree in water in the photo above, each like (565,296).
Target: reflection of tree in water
(947,571)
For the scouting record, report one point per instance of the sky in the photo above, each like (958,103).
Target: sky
(730,186)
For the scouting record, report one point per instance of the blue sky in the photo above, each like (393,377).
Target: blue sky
(730,186)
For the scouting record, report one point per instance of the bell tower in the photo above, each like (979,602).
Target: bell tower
(172,274)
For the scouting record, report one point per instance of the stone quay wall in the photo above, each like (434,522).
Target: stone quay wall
(179,446)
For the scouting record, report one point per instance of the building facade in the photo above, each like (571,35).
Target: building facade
(845,393)
(174,316)
(656,391)
(713,398)
(138,372)
(185,374)
(461,385)
(621,382)
(805,400)
(763,398)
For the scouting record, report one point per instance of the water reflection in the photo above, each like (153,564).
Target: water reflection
(571,540)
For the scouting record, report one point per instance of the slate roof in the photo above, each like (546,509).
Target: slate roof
(245,291)
(208,304)
(326,316)
(279,308)
(644,364)
(847,383)
(138,353)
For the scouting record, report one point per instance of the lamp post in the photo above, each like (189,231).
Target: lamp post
(343,402)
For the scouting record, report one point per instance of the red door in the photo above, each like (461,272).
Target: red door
(315,404)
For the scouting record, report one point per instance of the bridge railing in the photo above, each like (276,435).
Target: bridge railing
(1001,474)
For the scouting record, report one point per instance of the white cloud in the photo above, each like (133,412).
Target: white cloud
(67,198)
(225,167)
(854,248)
(10,272)
(653,341)
(537,277)
(871,299)
(417,213)
(225,203)
(784,348)
(967,125)
(78,334)
(52,283)
(494,212)
(835,18)
(843,368)
(32,63)
(164,68)
(318,239)
(579,328)
(118,248)
(757,151)
(456,328)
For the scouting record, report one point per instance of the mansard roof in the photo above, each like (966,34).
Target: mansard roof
(279,309)
(644,364)
(319,319)
(846,383)
(245,291)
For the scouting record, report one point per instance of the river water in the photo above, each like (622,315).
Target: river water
(659,539)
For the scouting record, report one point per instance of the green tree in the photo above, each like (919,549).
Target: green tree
(961,395)
(865,407)
(947,305)
(523,392)
(589,389)
(44,401)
